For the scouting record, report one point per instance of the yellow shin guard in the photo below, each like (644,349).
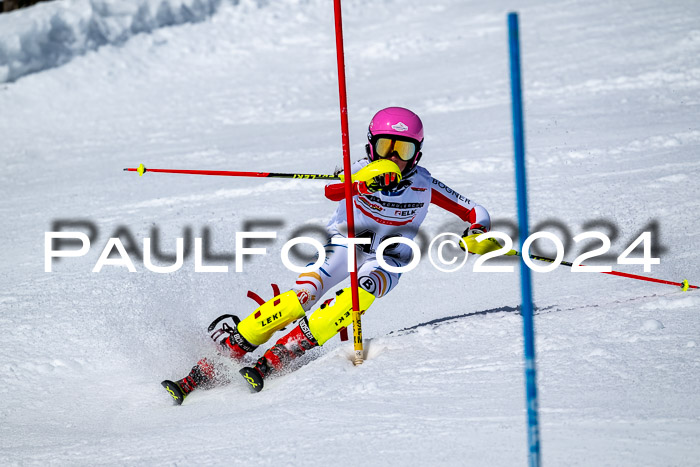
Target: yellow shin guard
(270,317)
(325,322)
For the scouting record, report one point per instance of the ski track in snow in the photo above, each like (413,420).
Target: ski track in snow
(612,95)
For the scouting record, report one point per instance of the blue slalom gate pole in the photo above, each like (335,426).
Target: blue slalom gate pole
(533,437)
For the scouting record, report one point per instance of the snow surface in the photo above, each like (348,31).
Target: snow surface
(52,34)
(612,95)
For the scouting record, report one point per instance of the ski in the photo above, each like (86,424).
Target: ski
(253,377)
(174,390)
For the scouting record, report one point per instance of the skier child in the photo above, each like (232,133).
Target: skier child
(392,202)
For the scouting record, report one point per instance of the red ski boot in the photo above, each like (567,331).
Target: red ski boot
(289,347)
(224,331)
(202,374)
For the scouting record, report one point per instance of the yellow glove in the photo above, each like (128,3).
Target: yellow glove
(487,245)
(479,248)
(381,167)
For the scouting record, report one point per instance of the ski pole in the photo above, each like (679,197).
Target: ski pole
(683,285)
(233,173)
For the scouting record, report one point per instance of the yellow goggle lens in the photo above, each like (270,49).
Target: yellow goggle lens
(386,147)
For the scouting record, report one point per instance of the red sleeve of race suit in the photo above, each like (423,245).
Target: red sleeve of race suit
(467,210)
(447,204)
(336,191)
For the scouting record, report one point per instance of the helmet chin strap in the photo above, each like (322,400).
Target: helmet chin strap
(417,159)
(412,168)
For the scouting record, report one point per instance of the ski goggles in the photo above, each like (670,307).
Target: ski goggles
(387,146)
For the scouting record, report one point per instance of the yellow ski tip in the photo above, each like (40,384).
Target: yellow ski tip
(685,285)
(141,170)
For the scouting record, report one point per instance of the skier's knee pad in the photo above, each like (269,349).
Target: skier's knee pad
(325,322)
(270,317)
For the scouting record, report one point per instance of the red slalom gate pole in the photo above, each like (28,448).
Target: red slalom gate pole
(357,326)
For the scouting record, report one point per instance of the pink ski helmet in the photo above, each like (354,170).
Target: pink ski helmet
(396,130)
